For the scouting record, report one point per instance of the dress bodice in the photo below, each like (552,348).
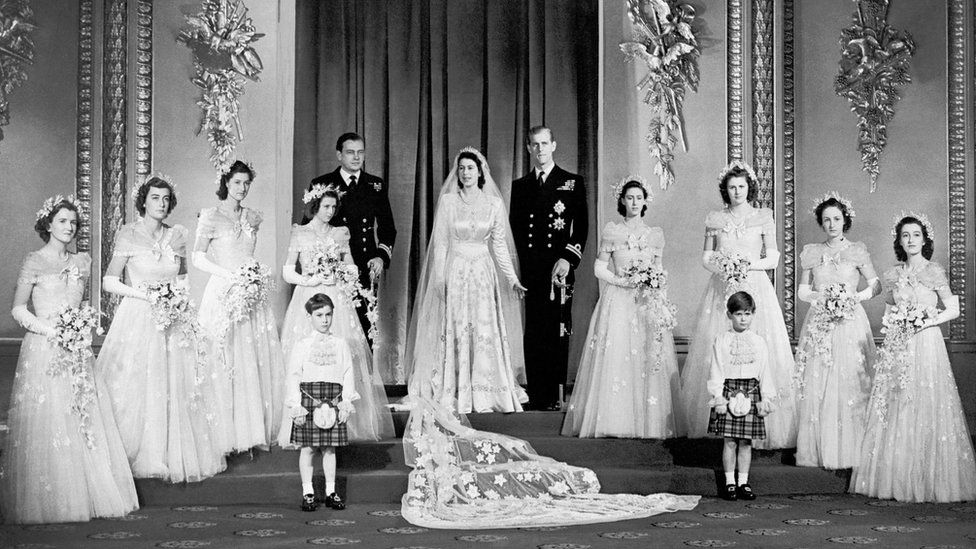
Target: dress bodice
(56,283)
(832,265)
(305,239)
(916,287)
(626,245)
(741,234)
(231,239)
(150,259)
(474,222)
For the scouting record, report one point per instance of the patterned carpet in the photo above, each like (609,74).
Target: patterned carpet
(794,521)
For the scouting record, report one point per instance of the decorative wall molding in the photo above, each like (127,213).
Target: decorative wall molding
(956,124)
(114,135)
(762,99)
(789,173)
(86,99)
(734,57)
(144,87)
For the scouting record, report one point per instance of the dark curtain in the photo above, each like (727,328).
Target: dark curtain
(420,79)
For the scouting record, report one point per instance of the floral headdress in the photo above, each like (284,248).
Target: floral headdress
(738,165)
(226,170)
(48,206)
(618,189)
(924,219)
(833,194)
(158,175)
(318,190)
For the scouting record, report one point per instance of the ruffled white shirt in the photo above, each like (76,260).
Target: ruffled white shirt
(739,355)
(319,357)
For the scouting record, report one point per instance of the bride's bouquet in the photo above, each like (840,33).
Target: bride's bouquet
(734,268)
(73,328)
(250,287)
(651,283)
(327,265)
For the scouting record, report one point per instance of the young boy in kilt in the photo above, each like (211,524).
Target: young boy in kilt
(741,386)
(320,373)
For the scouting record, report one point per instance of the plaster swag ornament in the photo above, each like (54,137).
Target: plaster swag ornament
(16,51)
(222,38)
(874,63)
(665,41)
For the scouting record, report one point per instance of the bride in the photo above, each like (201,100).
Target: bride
(466,344)
(463,478)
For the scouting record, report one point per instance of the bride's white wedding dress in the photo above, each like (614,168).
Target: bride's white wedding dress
(463,478)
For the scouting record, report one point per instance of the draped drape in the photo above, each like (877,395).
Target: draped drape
(420,79)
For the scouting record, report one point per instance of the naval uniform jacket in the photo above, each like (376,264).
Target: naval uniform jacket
(548,223)
(364,204)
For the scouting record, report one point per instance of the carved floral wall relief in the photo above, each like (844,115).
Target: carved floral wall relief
(665,41)
(222,38)
(16,51)
(874,63)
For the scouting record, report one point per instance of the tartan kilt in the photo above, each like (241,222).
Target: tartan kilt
(749,426)
(310,436)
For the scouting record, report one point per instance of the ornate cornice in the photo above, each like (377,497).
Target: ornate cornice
(762,99)
(114,91)
(86,98)
(956,124)
(789,174)
(144,87)
(734,79)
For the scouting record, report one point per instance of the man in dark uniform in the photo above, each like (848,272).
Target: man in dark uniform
(365,205)
(549,225)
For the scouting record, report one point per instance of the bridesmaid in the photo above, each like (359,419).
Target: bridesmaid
(835,355)
(742,231)
(157,377)
(916,445)
(250,366)
(627,384)
(63,460)
(372,419)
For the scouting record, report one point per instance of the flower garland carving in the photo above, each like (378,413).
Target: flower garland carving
(665,41)
(222,38)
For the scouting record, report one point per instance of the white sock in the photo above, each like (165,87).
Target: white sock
(730,477)
(329,468)
(305,468)
(743,478)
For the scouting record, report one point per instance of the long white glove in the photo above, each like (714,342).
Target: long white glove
(870,291)
(950,312)
(30,322)
(602,271)
(707,262)
(804,292)
(291,276)
(202,262)
(769,262)
(114,285)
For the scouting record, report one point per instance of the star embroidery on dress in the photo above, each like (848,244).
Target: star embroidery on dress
(559,224)
(559,207)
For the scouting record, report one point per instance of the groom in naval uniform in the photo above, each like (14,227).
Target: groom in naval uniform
(549,224)
(365,210)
